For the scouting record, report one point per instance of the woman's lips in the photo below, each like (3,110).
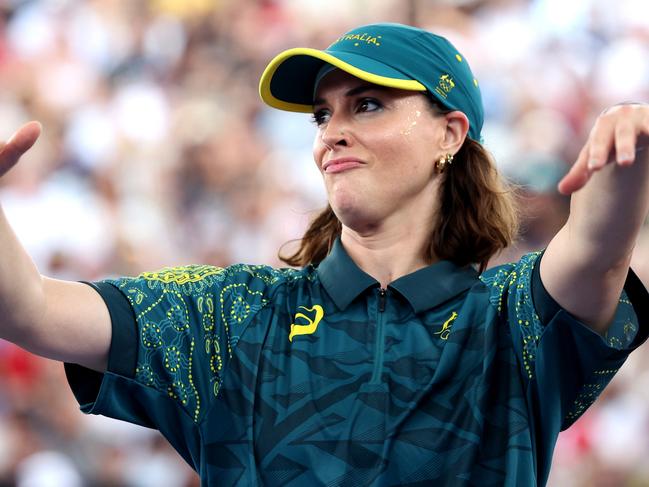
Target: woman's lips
(340,165)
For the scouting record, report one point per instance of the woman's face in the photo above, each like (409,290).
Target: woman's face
(376,148)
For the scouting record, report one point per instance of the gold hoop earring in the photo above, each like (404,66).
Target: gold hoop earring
(444,161)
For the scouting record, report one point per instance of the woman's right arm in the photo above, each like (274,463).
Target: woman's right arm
(61,320)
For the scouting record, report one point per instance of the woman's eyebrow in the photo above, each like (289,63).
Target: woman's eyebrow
(355,91)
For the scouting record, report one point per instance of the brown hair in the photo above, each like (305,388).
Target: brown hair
(477,216)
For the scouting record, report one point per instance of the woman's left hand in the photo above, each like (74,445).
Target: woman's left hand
(620,136)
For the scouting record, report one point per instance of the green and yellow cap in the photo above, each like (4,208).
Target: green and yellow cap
(387,54)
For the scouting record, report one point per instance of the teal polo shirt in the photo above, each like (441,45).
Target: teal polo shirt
(263,376)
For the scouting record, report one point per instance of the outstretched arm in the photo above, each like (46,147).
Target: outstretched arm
(56,319)
(585,265)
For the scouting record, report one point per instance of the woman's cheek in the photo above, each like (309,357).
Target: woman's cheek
(410,124)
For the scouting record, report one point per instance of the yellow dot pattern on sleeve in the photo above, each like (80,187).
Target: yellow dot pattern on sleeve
(187,318)
(511,286)
(151,335)
(589,392)
(182,275)
(234,302)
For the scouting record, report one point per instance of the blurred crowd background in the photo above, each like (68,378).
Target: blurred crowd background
(157,151)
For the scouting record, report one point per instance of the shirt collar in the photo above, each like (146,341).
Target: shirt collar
(423,289)
(342,278)
(435,284)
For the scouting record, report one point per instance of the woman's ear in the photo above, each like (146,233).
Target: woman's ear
(457,126)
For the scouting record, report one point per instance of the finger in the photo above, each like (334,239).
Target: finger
(25,137)
(601,142)
(19,143)
(578,175)
(625,141)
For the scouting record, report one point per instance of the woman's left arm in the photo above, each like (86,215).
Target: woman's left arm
(586,264)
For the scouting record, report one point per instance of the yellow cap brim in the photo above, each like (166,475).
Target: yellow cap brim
(278,62)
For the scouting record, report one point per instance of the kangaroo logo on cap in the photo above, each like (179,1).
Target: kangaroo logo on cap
(444,85)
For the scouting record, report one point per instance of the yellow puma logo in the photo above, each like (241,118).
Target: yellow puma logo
(446,327)
(313,323)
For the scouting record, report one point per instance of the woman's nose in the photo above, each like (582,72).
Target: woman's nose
(336,133)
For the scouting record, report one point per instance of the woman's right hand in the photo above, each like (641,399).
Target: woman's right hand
(61,320)
(19,143)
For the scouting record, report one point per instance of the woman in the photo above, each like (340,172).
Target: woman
(387,359)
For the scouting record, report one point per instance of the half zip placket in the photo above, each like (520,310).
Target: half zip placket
(380,337)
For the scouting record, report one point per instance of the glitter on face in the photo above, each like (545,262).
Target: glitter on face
(411,123)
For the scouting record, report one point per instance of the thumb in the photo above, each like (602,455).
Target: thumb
(19,143)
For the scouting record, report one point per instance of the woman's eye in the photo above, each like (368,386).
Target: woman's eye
(319,117)
(323,115)
(369,105)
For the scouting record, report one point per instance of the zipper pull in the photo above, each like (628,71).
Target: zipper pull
(382,294)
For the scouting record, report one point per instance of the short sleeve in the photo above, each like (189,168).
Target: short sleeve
(173,335)
(564,363)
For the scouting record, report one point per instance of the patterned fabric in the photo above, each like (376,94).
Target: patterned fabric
(261,376)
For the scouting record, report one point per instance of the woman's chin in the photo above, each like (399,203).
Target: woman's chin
(361,220)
